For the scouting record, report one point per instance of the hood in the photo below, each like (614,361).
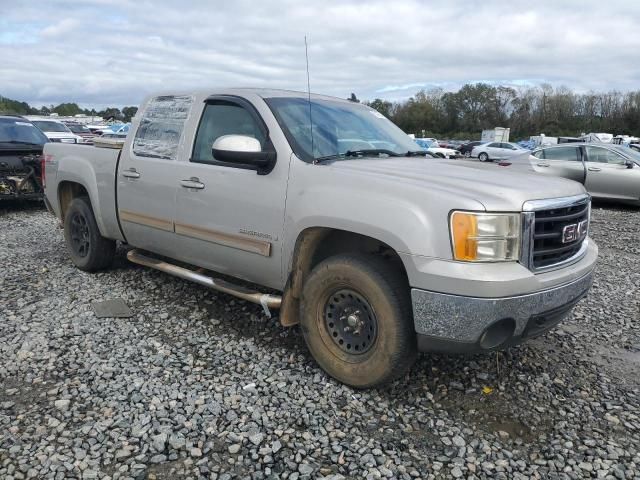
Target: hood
(449,151)
(60,135)
(497,188)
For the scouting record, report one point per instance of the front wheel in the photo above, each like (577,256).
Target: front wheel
(89,250)
(483,157)
(357,320)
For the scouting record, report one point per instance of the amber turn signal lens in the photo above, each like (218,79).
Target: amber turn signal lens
(464,229)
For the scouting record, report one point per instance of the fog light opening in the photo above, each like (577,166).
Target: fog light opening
(498,334)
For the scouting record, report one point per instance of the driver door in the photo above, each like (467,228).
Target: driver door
(228,217)
(608,175)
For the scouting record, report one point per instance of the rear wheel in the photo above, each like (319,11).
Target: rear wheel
(357,320)
(483,157)
(89,250)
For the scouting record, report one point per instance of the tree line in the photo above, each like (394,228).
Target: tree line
(65,109)
(554,111)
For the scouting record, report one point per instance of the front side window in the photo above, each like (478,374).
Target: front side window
(161,126)
(562,153)
(224,118)
(603,155)
(331,128)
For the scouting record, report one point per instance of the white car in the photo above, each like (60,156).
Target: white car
(497,151)
(431,146)
(56,131)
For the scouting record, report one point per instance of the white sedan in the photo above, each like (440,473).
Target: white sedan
(490,151)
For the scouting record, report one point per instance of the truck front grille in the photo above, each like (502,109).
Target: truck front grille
(558,232)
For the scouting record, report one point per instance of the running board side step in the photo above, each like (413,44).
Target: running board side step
(266,300)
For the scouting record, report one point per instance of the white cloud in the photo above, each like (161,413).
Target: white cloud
(114,52)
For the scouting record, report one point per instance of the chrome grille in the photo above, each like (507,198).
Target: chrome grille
(555,231)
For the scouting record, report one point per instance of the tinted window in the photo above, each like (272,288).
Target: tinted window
(603,155)
(562,153)
(20,131)
(161,126)
(494,145)
(538,154)
(508,146)
(220,119)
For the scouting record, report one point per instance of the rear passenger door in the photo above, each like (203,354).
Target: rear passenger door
(609,176)
(232,222)
(563,162)
(146,184)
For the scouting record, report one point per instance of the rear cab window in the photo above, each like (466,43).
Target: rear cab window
(161,127)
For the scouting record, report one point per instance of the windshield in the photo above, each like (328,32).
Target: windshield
(338,128)
(78,128)
(49,126)
(20,131)
(628,152)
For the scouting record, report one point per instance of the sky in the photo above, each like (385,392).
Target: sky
(115,52)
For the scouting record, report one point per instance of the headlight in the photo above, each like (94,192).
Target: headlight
(485,237)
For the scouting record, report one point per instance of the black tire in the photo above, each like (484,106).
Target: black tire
(483,157)
(383,293)
(89,250)
(467,154)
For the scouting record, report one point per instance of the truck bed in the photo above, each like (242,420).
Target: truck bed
(94,167)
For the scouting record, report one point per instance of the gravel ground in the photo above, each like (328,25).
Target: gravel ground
(198,385)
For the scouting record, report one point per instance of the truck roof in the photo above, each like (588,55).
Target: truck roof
(243,91)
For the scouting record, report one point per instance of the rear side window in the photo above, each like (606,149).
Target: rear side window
(220,119)
(494,145)
(161,126)
(562,153)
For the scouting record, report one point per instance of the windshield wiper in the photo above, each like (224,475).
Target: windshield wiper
(417,153)
(371,151)
(18,142)
(357,153)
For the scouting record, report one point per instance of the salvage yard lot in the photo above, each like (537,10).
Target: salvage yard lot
(197,384)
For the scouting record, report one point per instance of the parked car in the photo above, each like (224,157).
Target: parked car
(377,252)
(21,145)
(436,150)
(117,131)
(466,148)
(487,152)
(56,131)
(81,130)
(606,170)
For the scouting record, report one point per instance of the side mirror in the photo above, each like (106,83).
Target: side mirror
(243,150)
(629,164)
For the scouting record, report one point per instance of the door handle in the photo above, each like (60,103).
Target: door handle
(594,169)
(131,173)
(543,164)
(193,182)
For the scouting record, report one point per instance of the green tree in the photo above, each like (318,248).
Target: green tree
(129,113)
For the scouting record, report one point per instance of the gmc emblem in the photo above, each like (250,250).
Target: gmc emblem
(575,231)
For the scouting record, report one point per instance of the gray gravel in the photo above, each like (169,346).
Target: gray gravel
(199,385)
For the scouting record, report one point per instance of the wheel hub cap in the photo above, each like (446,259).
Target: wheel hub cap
(350,322)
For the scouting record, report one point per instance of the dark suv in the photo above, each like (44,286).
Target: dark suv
(21,144)
(467,147)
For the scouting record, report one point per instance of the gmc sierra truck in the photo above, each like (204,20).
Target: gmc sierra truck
(337,218)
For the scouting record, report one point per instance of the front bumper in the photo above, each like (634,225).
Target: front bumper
(460,324)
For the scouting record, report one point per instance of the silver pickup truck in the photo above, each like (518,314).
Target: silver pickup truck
(337,218)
